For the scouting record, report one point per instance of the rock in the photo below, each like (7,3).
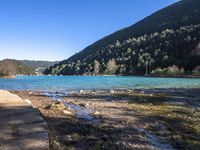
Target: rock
(151,104)
(57,106)
(69,108)
(87,105)
(67,112)
(161,127)
(82,105)
(28,101)
(68,138)
(142,92)
(112,92)
(82,91)
(97,113)
(56,145)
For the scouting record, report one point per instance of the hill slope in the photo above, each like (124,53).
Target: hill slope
(169,39)
(38,64)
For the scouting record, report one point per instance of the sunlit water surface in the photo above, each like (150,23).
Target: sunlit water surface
(74,83)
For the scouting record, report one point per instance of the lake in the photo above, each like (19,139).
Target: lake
(71,83)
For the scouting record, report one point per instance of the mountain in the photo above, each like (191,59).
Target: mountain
(39,66)
(166,42)
(11,67)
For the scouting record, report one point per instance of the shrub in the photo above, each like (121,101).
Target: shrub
(196,70)
(170,71)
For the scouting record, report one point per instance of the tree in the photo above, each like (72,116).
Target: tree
(196,70)
(117,44)
(111,67)
(96,67)
(129,50)
(8,68)
(196,51)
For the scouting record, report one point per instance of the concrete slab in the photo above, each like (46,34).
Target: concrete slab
(21,126)
(21,118)
(35,141)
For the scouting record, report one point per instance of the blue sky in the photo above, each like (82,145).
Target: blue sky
(56,29)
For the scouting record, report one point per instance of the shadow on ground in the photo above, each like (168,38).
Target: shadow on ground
(75,134)
(22,127)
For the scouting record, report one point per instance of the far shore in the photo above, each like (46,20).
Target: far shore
(150,76)
(174,76)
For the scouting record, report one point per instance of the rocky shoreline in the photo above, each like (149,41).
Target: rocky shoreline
(121,119)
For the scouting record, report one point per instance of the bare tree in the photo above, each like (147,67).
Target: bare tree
(111,67)
(96,67)
(8,68)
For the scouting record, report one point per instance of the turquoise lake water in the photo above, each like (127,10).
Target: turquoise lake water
(71,83)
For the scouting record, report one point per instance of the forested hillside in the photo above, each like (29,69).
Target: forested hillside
(10,67)
(38,64)
(165,43)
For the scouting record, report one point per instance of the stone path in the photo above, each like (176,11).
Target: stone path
(21,125)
